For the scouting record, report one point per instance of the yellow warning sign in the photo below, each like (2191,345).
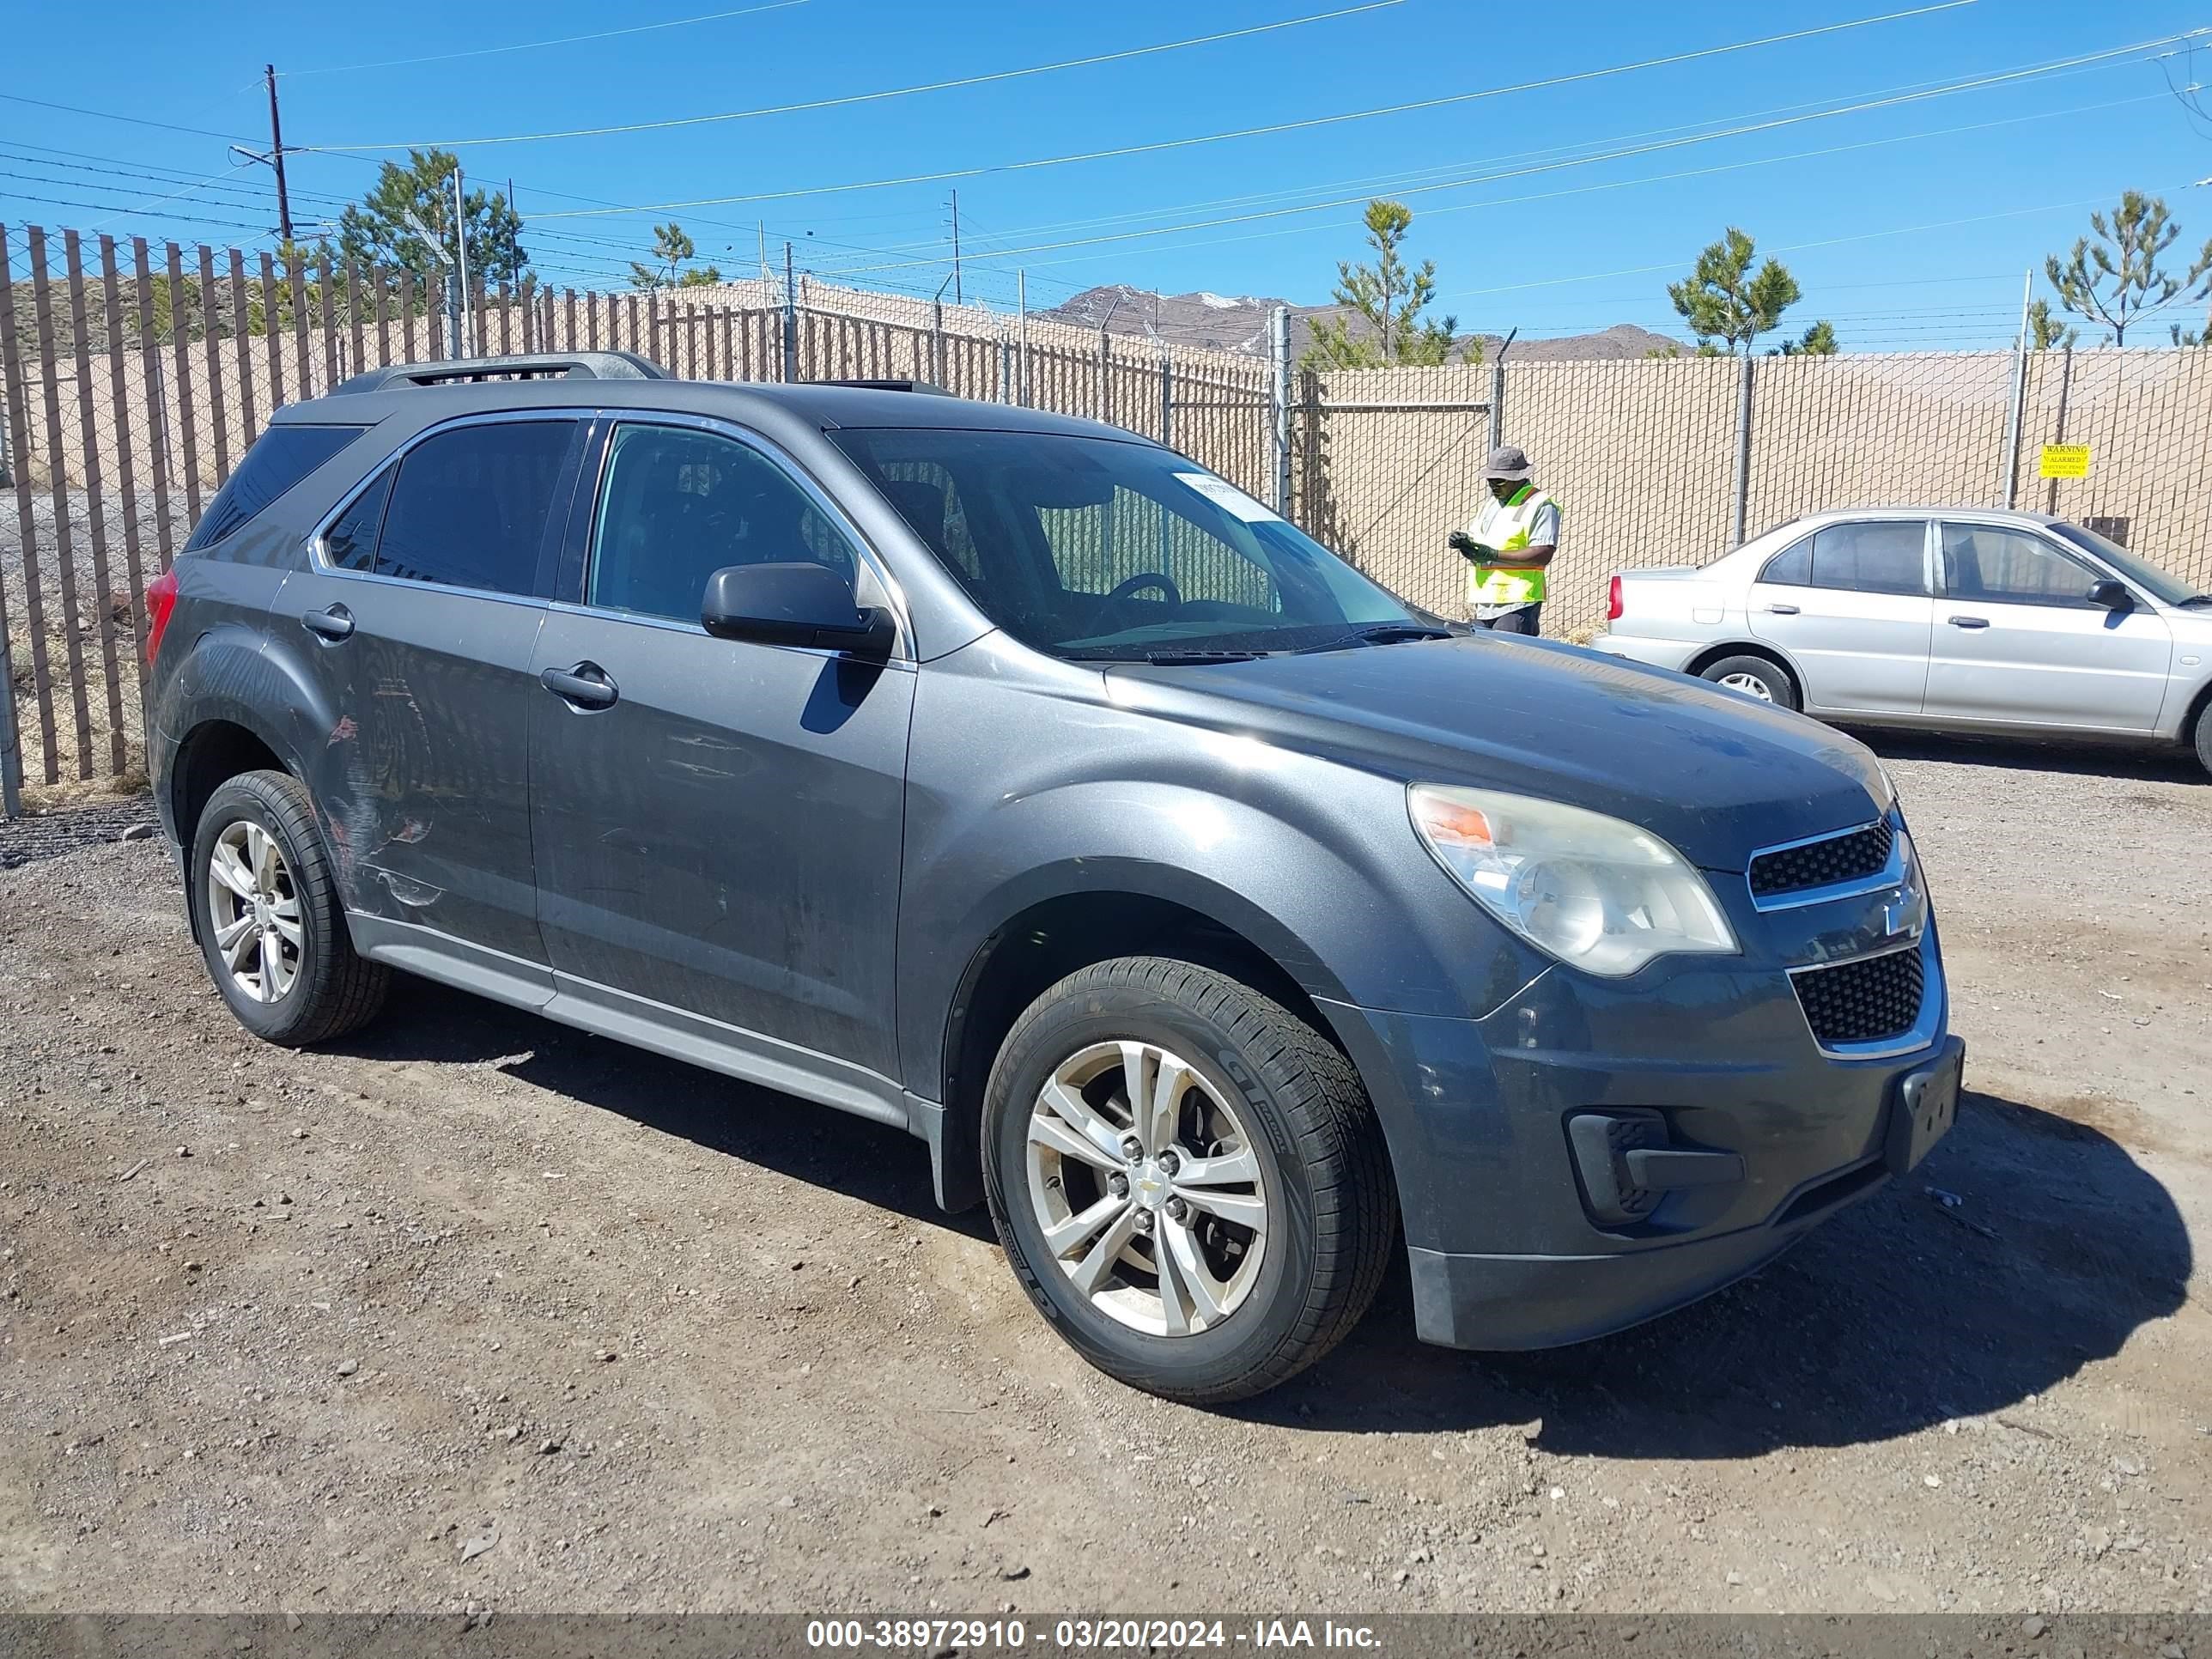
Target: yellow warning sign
(2065,461)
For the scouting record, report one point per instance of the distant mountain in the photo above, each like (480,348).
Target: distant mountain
(1240,323)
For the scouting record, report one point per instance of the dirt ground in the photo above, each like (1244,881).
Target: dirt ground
(477,1312)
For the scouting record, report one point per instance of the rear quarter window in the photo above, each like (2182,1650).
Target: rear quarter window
(280,457)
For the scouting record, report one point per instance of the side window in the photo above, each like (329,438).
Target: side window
(680,504)
(469,506)
(1883,557)
(350,542)
(2007,566)
(280,457)
(1096,548)
(1792,567)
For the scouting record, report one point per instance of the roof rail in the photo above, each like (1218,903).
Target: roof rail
(928,386)
(542,366)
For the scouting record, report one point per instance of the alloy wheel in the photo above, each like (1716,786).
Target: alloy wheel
(1146,1185)
(253,911)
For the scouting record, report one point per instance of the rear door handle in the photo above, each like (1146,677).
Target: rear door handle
(333,625)
(1970,621)
(586,685)
(1782,610)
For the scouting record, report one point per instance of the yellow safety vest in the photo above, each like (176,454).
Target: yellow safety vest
(1505,525)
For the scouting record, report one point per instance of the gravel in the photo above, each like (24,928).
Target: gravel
(1982,1390)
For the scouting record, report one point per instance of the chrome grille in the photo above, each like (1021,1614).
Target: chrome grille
(1853,855)
(1862,1001)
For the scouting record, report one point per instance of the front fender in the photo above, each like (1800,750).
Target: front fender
(1020,792)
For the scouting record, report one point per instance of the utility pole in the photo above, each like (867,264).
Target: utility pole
(276,157)
(763,250)
(956,299)
(461,261)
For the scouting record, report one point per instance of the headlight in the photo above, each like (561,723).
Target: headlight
(1599,894)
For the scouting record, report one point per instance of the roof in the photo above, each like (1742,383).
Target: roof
(816,403)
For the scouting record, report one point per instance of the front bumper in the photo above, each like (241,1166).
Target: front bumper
(1511,1244)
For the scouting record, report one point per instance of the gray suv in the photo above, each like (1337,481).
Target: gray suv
(1223,923)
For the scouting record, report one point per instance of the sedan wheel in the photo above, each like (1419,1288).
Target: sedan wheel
(1143,1179)
(253,912)
(1750,684)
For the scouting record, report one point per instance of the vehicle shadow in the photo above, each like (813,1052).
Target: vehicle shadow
(871,1162)
(2125,763)
(2026,1246)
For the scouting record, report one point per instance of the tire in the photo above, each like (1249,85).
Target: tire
(2204,736)
(1755,677)
(1250,1077)
(320,988)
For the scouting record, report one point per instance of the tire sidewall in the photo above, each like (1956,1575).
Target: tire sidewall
(1206,1361)
(1780,692)
(240,801)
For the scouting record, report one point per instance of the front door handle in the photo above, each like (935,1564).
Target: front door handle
(586,685)
(1782,610)
(1970,621)
(333,625)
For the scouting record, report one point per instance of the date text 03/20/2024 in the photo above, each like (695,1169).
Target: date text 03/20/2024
(1105,1635)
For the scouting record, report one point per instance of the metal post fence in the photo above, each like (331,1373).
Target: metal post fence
(1740,503)
(125,407)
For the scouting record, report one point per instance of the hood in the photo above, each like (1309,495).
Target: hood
(1717,775)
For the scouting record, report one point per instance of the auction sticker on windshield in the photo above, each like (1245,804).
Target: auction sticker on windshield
(1228,497)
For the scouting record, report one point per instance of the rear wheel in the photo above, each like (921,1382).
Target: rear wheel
(1188,1180)
(1756,678)
(266,913)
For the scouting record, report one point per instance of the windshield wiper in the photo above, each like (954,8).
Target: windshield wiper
(1381,634)
(2197,599)
(1172,658)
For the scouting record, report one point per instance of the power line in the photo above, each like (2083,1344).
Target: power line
(1585,161)
(1423,179)
(532,46)
(108,115)
(1286,126)
(896,92)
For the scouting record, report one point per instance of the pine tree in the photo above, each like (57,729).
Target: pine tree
(1723,299)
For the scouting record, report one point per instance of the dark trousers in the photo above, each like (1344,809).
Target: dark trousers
(1522,621)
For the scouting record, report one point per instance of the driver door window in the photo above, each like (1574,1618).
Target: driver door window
(2006,567)
(680,504)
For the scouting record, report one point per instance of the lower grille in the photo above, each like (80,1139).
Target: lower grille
(1862,1001)
(1851,856)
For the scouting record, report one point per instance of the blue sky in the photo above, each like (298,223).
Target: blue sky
(1981,183)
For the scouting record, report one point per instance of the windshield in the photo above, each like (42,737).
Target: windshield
(1097,550)
(2169,590)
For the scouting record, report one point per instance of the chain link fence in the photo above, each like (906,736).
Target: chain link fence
(133,378)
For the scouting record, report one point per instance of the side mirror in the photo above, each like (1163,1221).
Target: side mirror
(2112,595)
(798,603)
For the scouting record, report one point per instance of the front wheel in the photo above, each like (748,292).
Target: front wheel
(1756,678)
(2204,736)
(1188,1180)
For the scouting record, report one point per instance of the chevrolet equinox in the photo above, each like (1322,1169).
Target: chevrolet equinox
(1223,922)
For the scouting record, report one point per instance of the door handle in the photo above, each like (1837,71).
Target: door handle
(1782,610)
(586,685)
(332,625)
(1970,621)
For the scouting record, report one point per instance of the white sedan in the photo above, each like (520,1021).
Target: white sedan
(1934,618)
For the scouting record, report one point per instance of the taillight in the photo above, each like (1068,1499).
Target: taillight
(1613,600)
(160,600)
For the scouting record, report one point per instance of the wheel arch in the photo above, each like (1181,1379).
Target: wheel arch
(1760,649)
(1051,929)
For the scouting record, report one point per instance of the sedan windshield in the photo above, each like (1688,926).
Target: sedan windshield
(2170,590)
(1097,549)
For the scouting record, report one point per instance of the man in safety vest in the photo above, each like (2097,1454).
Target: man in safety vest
(1509,545)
